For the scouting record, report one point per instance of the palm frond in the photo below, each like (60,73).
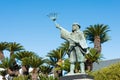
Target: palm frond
(13,46)
(3,46)
(33,61)
(100,30)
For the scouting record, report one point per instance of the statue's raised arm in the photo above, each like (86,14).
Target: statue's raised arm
(64,33)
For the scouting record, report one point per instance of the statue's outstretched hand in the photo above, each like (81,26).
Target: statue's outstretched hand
(58,26)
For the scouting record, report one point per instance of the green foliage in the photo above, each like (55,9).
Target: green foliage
(45,69)
(3,72)
(111,72)
(21,78)
(97,30)
(93,56)
(3,46)
(22,54)
(55,56)
(6,63)
(65,47)
(13,46)
(33,61)
(47,78)
(66,66)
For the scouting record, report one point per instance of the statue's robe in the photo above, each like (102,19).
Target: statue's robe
(76,54)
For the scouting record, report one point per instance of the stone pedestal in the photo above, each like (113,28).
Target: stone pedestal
(77,77)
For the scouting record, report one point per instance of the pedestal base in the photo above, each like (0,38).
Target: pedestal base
(77,77)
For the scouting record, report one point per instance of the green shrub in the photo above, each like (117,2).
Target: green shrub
(3,72)
(21,78)
(111,72)
(47,78)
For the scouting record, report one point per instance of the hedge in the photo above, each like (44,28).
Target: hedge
(111,72)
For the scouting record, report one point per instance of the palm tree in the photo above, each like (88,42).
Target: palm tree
(14,47)
(97,34)
(3,46)
(21,55)
(45,69)
(3,73)
(65,47)
(92,56)
(56,58)
(51,61)
(8,65)
(34,62)
(64,66)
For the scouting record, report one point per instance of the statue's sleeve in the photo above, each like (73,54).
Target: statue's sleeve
(65,34)
(82,41)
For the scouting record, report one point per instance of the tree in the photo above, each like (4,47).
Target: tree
(56,57)
(92,56)
(8,65)
(45,69)
(21,55)
(3,73)
(14,47)
(3,46)
(97,34)
(34,62)
(66,65)
(65,47)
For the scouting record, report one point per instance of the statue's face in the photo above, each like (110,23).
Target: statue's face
(75,27)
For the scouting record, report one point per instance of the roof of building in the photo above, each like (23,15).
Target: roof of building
(105,63)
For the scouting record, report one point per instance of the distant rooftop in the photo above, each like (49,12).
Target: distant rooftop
(105,63)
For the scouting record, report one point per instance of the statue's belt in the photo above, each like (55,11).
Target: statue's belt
(83,50)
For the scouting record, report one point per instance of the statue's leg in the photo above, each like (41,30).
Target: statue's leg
(82,67)
(72,61)
(72,66)
(81,59)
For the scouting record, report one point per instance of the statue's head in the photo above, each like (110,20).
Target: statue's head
(75,27)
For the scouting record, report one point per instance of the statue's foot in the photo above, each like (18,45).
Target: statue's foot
(77,73)
(80,73)
(83,73)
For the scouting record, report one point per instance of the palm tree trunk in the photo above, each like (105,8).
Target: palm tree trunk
(11,53)
(59,64)
(35,74)
(3,78)
(10,72)
(97,44)
(88,65)
(55,73)
(25,70)
(1,55)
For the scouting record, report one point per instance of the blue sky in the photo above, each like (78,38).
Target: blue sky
(25,22)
